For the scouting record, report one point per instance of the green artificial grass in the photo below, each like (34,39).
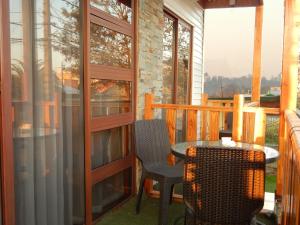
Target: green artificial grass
(270,183)
(125,215)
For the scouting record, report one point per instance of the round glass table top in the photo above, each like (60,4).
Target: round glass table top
(179,149)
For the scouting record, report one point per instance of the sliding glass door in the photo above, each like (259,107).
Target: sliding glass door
(66,109)
(47,105)
(111,102)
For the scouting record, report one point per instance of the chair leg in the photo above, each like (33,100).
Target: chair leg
(165,189)
(171,194)
(140,193)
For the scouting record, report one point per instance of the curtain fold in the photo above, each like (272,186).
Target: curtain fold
(48,121)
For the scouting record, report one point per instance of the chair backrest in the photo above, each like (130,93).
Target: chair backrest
(152,141)
(224,185)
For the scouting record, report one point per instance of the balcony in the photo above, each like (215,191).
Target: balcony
(76,75)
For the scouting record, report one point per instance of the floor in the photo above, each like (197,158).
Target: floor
(125,215)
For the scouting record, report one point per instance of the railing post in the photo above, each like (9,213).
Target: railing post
(237,126)
(148,110)
(204,101)
(171,124)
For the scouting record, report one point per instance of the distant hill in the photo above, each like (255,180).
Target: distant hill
(224,86)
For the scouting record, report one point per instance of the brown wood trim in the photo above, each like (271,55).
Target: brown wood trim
(106,16)
(175,62)
(192,107)
(225,4)
(135,60)
(288,99)
(87,112)
(175,16)
(106,171)
(190,84)
(256,77)
(111,73)
(99,21)
(108,122)
(7,158)
(270,111)
(179,20)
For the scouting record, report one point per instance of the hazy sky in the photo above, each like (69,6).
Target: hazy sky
(229,40)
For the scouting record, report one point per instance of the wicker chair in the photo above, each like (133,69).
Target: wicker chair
(223,186)
(152,148)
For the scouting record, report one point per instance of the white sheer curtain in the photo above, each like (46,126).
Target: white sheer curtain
(48,118)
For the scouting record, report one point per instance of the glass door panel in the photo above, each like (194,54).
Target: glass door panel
(109,97)
(110,145)
(109,47)
(120,9)
(111,81)
(111,191)
(184,55)
(48,127)
(168,60)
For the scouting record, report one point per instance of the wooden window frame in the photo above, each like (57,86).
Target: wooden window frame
(6,113)
(178,20)
(99,123)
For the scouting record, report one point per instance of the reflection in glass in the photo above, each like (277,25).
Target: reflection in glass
(110,145)
(111,191)
(183,79)
(109,47)
(110,97)
(117,8)
(168,60)
(48,107)
(184,49)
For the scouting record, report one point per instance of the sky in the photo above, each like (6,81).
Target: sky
(229,40)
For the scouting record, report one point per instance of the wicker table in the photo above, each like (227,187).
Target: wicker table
(179,149)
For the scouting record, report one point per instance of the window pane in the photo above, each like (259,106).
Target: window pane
(168,60)
(48,129)
(184,50)
(111,191)
(110,97)
(109,47)
(118,8)
(110,145)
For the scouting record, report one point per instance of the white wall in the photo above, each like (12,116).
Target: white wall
(190,11)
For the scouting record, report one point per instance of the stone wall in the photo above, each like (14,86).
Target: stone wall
(150,28)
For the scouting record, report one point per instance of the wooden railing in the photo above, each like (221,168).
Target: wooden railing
(248,119)
(291,171)
(203,121)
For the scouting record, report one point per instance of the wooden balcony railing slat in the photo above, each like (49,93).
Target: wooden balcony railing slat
(192,125)
(192,107)
(204,101)
(237,126)
(214,125)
